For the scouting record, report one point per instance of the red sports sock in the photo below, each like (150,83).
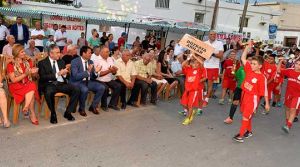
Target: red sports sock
(297,112)
(244,127)
(286,121)
(289,124)
(249,126)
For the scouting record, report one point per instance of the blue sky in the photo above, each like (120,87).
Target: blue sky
(293,1)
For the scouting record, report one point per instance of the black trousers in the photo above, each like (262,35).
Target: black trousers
(2,44)
(122,92)
(116,88)
(143,86)
(68,89)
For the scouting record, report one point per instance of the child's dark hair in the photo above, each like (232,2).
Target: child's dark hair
(259,59)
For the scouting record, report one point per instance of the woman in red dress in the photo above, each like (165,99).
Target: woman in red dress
(21,86)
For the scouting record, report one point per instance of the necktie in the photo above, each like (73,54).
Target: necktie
(54,67)
(86,69)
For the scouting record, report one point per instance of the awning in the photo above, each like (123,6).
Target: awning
(103,21)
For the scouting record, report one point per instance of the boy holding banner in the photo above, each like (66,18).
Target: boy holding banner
(195,74)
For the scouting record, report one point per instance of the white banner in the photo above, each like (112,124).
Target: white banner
(74,25)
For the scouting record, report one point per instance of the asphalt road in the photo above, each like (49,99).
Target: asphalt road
(150,136)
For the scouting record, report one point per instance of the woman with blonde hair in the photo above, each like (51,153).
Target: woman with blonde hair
(21,86)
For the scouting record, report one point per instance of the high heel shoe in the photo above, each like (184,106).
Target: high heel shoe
(25,112)
(34,122)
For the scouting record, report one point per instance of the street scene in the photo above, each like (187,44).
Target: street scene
(138,83)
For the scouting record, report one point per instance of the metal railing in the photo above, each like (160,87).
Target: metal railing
(60,2)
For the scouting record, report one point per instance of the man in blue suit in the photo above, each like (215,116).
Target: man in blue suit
(20,31)
(83,76)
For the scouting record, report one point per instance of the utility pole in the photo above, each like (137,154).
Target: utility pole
(243,16)
(214,19)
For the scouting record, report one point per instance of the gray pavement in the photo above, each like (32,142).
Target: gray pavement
(150,136)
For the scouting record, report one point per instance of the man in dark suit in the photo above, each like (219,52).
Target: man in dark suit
(52,80)
(20,31)
(227,45)
(83,76)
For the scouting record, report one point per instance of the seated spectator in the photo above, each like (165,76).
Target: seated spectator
(65,50)
(83,76)
(50,42)
(137,42)
(151,44)
(32,51)
(122,40)
(53,73)
(21,85)
(126,75)
(82,41)
(156,74)
(143,82)
(165,70)
(110,43)
(7,49)
(71,55)
(115,54)
(176,68)
(3,105)
(106,77)
(94,40)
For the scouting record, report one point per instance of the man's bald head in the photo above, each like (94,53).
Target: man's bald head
(10,39)
(146,58)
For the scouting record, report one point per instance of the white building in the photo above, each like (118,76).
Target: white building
(172,11)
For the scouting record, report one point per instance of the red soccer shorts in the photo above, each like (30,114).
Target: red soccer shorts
(292,102)
(249,104)
(212,74)
(190,99)
(272,89)
(229,83)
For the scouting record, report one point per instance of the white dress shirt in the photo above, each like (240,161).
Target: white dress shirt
(20,32)
(35,32)
(105,65)
(84,69)
(3,32)
(59,78)
(58,35)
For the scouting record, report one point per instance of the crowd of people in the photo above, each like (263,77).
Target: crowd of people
(50,64)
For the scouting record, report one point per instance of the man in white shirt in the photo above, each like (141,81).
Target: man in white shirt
(212,65)
(60,37)
(3,34)
(38,35)
(126,75)
(106,77)
(7,49)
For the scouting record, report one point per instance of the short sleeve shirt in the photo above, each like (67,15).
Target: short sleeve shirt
(254,83)
(214,62)
(269,70)
(293,84)
(142,69)
(192,78)
(125,70)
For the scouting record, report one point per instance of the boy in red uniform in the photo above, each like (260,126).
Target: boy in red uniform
(190,97)
(269,70)
(276,88)
(229,83)
(203,78)
(292,95)
(254,86)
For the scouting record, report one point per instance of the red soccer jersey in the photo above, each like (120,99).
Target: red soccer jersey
(254,83)
(293,85)
(269,70)
(228,67)
(192,77)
